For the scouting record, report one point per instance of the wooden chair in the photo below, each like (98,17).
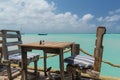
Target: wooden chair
(78,63)
(4,64)
(11,52)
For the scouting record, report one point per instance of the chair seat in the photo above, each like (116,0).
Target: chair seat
(17,57)
(84,62)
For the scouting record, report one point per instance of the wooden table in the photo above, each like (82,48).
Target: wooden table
(47,47)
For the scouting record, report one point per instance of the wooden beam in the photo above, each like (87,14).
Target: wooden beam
(98,52)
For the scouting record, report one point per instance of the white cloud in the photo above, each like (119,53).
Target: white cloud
(87,17)
(39,16)
(111,21)
(112,18)
(114,12)
(100,19)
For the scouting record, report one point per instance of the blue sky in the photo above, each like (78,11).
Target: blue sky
(60,16)
(81,7)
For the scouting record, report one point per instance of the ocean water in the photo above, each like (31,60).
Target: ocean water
(111,52)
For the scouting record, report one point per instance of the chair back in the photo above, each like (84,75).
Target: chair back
(10,40)
(98,51)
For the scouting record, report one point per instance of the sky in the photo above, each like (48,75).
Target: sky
(60,16)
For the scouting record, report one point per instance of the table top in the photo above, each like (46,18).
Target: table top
(48,44)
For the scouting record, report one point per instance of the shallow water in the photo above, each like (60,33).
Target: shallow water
(111,45)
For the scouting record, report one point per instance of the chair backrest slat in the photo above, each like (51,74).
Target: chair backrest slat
(13,43)
(13,51)
(12,36)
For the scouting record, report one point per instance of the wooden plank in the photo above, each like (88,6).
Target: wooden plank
(13,43)
(13,51)
(8,30)
(55,51)
(52,45)
(12,36)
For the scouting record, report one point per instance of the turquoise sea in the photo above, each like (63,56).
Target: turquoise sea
(111,45)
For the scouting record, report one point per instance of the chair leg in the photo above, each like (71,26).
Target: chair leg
(78,73)
(78,76)
(35,66)
(68,69)
(9,71)
(36,70)
(69,75)
(75,75)
(74,72)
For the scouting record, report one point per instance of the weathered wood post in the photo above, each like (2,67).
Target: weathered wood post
(76,49)
(98,52)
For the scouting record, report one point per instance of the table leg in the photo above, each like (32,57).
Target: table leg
(45,57)
(24,64)
(61,64)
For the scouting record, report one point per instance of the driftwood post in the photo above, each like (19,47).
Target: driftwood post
(98,52)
